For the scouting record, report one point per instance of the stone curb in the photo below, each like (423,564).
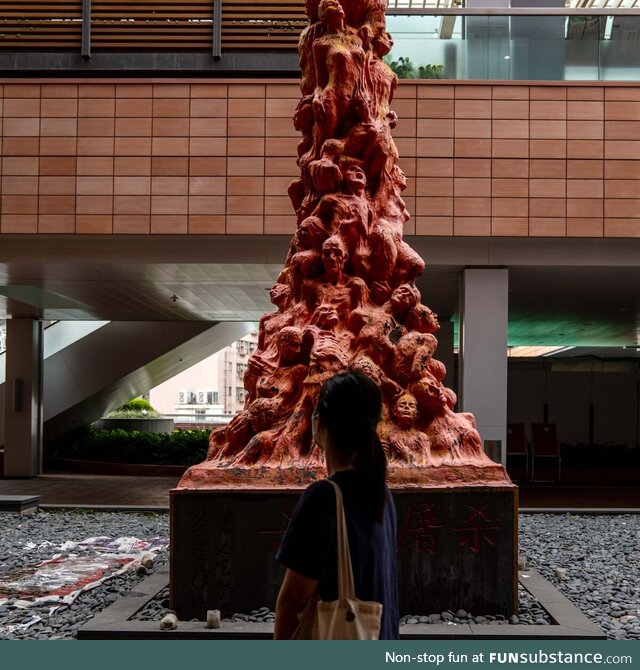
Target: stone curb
(113,623)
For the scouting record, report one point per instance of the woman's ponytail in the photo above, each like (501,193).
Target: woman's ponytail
(350,405)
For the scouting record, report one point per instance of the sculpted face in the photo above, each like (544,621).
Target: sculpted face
(326,316)
(309,232)
(382,43)
(404,297)
(400,178)
(289,344)
(330,11)
(426,320)
(406,409)
(355,180)
(333,258)
(435,391)
(279,294)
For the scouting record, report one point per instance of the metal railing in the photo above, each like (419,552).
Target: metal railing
(544,44)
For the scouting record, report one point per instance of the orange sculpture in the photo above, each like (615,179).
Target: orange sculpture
(346,297)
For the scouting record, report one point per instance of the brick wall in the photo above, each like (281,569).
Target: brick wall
(194,157)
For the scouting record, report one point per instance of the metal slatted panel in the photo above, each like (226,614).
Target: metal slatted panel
(249,25)
(28,24)
(152,25)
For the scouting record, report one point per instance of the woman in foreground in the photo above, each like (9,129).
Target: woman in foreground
(344,426)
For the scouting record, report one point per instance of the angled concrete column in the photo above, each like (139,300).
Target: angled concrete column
(482,381)
(23,399)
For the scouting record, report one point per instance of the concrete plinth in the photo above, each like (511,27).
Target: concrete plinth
(19,504)
(457,548)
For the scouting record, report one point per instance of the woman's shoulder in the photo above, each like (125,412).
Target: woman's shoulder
(321,491)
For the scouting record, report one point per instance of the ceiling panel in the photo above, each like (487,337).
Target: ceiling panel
(577,305)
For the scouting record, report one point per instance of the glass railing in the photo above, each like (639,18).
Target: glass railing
(516,44)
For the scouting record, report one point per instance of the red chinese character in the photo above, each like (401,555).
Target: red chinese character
(417,530)
(477,529)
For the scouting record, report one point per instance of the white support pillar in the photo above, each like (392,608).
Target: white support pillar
(23,398)
(482,363)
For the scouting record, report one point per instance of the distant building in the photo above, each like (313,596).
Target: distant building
(211,391)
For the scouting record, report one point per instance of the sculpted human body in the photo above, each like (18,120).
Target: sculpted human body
(346,297)
(403,443)
(339,61)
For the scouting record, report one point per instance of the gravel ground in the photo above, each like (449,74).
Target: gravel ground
(43,528)
(593,560)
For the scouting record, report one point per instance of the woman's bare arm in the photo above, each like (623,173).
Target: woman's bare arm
(295,593)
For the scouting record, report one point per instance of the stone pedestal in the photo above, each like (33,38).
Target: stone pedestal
(457,548)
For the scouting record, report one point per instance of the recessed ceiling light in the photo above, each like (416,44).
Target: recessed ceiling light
(507,57)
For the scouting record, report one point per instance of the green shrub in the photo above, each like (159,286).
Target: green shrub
(182,447)
(138,408)
(405,69)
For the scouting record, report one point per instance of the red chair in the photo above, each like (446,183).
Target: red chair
(517,452)
(545,450)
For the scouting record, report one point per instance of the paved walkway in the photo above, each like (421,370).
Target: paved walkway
(102,490)
(153,492)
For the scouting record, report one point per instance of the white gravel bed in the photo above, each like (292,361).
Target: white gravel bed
(593,560)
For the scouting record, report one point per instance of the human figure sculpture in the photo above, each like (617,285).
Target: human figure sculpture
(346,298)
(422,319)
(402,442)
(266,357)
(325,171)
(305,257)
(339,60)
(334,256)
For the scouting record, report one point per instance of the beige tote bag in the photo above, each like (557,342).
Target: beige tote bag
(346,618)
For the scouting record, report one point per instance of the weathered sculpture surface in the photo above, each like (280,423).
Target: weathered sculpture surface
(346,297)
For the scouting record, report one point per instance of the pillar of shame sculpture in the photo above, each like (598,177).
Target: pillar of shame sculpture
(346,298)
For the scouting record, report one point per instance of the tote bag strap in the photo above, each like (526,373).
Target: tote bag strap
(346,585)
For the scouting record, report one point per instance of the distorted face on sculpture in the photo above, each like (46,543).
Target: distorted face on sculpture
(355,180)
(280,294)
(382,42)
(333,258)
(435,391)
(400,178)
(405,409)
(425,320)
(289,344)
(331,13)
(404,298)
(310,232)
(325,316)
